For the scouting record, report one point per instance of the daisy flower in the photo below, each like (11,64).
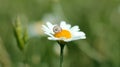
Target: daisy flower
(63,32)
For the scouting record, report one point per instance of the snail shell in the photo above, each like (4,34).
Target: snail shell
(57,29)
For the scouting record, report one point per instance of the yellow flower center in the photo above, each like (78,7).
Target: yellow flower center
(63,33)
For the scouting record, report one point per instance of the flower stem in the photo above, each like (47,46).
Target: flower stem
(24,60)
(61,54)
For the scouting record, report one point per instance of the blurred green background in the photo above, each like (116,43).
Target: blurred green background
(99,19)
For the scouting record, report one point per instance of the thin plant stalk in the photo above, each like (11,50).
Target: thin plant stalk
(61,54)
(21,37)
(24,58)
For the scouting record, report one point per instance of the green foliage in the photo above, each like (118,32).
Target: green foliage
(99,19)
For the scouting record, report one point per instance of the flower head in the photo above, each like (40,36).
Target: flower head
(63,32)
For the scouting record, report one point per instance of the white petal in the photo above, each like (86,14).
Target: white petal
(50,38)
(68,26)
(78,34)
(63,25)
(49,34)
(79,37)
(75,28)
(50,26)
(53,38)
(76,37)
(72,39)
(46,29)
(68,40)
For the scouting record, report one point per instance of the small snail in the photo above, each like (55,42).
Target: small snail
(57,29)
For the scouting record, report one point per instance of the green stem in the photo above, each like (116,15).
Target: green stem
(24,57)
(61,54)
